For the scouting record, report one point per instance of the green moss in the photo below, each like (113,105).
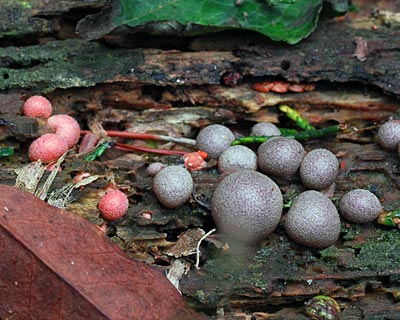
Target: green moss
(329,254)
(380,254)
(63,64)
(18,19)
(350,231)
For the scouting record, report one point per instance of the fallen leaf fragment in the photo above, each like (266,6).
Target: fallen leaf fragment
(186,244)
(178,269)
(28,177)
(56,265)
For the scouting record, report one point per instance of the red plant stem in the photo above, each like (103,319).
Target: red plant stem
(128,147)
(146,136)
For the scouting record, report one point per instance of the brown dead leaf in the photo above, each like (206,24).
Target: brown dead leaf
(56,265)
(186,244)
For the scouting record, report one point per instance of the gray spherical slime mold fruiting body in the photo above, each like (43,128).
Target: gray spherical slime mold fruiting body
(265,129)
(237,158)
(173,186)
(154,168)
(360,206)
(319,169)
(389,135)
(313,220)
(247,205)
(214,139)
(280,156)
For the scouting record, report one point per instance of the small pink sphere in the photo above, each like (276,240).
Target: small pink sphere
(47,148)
(66,127)
(113,205)
(37,107)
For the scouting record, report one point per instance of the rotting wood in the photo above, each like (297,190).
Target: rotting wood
(30,18)
(80,63)
(181,111)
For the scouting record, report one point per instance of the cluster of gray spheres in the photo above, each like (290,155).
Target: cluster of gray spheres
(247,205)
(278,156)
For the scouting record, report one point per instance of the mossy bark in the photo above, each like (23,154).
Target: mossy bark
(77,63)
(21,18)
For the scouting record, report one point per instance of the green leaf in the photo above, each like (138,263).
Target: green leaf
(284,21)
(280,20)
(334,8)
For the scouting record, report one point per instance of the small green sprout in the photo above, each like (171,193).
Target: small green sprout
(6,152)
(296,117)
(97,152)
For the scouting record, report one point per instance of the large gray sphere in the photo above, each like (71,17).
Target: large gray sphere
(313,220)
(237,158)
(247,205)
(360,206)
(214,139)
(319,169)
(280,156)
(389,135)
(265,129)
(173,186)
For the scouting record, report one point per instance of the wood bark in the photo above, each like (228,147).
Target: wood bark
(80,63)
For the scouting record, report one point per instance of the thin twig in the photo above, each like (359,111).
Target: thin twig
(147,136)
(198,247)
(128,147)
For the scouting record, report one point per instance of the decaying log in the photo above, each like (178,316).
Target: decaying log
(176,92)
(80,63)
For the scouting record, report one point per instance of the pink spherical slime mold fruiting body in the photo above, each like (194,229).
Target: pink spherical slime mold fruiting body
(66,127)
(37,107)
(49,147)
(88,142)
(113,205)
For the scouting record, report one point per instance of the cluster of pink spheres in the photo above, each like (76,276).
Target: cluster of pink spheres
(50,146)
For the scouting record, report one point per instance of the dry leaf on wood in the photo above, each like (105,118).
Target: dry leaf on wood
(186,244)
(56,265)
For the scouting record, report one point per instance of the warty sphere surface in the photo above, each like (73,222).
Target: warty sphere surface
(313,220)
(265,129)
(360,206)
(319,169)
(389,135)
(237,158)
(247,205)
(173,186)
(280,156)
(214,139)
